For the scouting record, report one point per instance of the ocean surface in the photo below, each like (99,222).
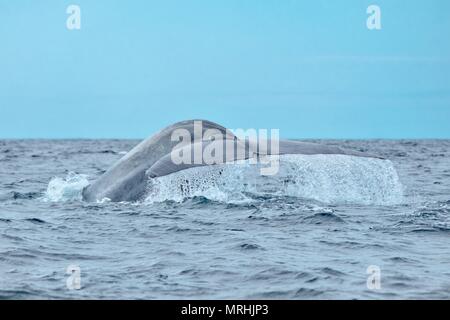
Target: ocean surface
(317,230)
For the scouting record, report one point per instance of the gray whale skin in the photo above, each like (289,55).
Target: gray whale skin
(127,179)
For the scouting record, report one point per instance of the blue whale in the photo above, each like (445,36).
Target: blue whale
(127,179)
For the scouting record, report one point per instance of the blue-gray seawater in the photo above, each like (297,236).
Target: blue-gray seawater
(310,232)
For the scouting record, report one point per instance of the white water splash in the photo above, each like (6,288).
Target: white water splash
(67,189)
(220,182)
(325,178)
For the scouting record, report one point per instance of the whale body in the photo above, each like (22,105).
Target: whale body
(128,178)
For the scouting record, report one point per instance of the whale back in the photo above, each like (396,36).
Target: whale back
(127,180)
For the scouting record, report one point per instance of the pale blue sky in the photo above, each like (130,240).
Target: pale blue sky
(310,68)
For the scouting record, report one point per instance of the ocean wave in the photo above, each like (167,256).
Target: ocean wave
(14,195)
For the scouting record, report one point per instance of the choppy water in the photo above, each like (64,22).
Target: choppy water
(226,232)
